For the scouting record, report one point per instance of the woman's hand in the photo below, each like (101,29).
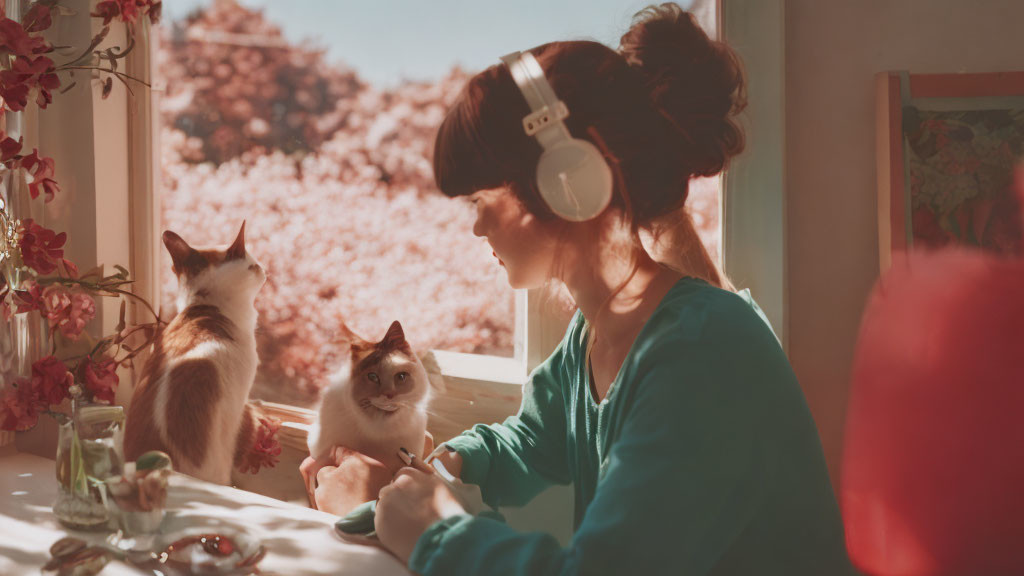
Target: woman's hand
(450,458)
(344,480)
(414,500)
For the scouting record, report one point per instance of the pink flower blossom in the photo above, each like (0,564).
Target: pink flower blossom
(40,247)
(265,450)
(19,406)
(51,380)
(101,378)
(39,173)
(68,310)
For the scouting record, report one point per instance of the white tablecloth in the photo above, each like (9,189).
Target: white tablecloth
(298,540)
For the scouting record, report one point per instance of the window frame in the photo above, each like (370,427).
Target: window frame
(753,199)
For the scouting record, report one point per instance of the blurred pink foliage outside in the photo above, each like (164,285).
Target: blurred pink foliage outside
(351,229)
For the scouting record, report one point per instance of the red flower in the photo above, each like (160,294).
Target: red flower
(9,147)
(37,18)
(29,298)
(15,40)
(51,380)
(108,10)
(101,378)
(13,91)
(68,310)
(265,449)
(39,172)
(45,83)
(19,407)
(128,10)
(155,10)
(40,247)
(26,73)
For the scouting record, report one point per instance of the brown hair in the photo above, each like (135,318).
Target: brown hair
(661,109)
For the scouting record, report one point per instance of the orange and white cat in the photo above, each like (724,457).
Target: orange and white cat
(376,403)
(191,399)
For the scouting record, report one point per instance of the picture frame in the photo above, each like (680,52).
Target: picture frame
(947,147)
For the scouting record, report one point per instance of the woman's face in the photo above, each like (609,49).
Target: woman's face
(522,244)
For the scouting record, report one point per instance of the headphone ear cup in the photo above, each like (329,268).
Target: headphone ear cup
(574,180)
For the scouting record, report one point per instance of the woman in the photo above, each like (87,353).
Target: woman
(669,403)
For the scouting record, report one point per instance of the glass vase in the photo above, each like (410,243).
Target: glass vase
(89,449)
(23,337)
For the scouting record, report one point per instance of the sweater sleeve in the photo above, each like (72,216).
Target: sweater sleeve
(679,485)
(514,461)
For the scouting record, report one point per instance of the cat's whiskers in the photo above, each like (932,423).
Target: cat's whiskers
(434,414)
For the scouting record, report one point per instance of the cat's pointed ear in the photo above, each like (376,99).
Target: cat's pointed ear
(346,333)
(395,338)
(237,249)
(180,251)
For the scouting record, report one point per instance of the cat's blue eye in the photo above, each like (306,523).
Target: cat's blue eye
(402,376)
(373,377)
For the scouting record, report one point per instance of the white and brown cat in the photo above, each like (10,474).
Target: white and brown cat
(376,403)
(191,399)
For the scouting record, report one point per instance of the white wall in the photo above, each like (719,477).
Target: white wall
(833,50)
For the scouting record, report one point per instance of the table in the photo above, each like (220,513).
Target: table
(299,540)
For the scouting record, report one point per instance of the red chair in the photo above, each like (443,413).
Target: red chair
(933,468)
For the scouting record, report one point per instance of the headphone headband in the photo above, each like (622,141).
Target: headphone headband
(546,110)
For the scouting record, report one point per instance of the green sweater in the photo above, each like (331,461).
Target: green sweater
(702,459)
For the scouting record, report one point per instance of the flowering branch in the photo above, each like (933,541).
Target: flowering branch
(34,275)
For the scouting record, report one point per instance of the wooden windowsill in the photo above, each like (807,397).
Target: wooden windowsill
(477,389)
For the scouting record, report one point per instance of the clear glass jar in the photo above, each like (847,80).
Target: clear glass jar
(89,449)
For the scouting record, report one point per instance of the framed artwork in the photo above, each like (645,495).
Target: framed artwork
(947,148)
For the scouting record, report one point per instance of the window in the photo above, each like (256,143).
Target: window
(323,146)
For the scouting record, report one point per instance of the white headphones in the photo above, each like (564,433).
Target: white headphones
(572,175)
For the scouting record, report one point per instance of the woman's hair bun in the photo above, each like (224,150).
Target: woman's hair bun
(695,82)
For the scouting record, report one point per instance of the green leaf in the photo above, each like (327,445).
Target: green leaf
(78,484)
